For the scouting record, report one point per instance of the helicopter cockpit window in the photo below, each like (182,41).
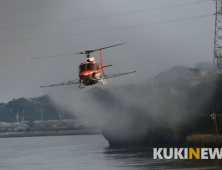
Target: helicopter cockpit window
(97,66)
(82,67)
(90,66)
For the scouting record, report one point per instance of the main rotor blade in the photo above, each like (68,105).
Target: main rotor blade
(53,56)
(85,52)
(107,47)
(82,53)
(90,51)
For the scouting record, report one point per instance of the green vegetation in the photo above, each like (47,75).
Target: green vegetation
(31,108)
(204,141)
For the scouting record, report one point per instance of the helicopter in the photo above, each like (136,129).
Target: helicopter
(90,71)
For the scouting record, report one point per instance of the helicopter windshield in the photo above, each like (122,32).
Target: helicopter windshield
(97,66)
(90,66)
(82,67)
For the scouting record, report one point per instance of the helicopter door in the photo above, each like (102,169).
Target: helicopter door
(82,68)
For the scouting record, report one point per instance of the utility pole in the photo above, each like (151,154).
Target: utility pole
(217,59)
(18,112)
(60,117)
(11,116)
(153,85)
(41,113)
(1,117)
(214,117)
(17,115)
(23,115)
(63,112)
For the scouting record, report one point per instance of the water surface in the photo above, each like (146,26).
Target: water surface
(84,152)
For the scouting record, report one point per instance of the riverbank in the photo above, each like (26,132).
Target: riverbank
(191,141)
(50,133)
(195,140)
(207,140)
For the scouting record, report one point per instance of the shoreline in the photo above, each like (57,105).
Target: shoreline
(50,133)
(196,140)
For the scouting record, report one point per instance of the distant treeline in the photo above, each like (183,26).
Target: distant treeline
(31,108)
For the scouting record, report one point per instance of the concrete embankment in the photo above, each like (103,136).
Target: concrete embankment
(195,140)
(50,133)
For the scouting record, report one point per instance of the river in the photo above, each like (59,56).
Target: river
(84,152)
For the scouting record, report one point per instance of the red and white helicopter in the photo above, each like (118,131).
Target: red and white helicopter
(89,71)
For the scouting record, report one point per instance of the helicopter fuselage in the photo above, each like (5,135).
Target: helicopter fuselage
(89,72)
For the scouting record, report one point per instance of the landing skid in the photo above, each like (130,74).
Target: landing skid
(81,85)
(103,81)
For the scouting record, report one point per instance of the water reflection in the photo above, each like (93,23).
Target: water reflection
(142,158)
(85,152)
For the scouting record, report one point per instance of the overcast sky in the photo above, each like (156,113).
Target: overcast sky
(35,28)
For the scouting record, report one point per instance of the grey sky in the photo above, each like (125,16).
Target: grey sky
(149,49)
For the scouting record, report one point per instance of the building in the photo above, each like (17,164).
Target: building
(196,78)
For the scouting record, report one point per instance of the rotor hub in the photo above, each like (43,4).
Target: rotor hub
(91,59)
(88,56)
